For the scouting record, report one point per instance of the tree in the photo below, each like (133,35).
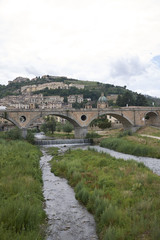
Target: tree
(128,98)
(67,127)
(43,127)
(141,100)
(49,125)
(102,122)
(14,134)
(65,99)
(58,126)
(119,101)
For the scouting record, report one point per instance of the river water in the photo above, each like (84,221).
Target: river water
(67,219)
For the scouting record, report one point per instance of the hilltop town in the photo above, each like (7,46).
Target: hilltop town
(32,95)
(28,100)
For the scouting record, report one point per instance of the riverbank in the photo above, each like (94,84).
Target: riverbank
(21,200)
(152,131)
(122,195)
(135,144)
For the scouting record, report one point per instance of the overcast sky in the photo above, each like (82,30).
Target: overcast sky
(110,41)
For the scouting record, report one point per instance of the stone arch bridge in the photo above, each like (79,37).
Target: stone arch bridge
(131,117)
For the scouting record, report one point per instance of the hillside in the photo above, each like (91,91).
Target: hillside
(91,89)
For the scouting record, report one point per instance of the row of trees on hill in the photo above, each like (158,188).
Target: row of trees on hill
(128,98)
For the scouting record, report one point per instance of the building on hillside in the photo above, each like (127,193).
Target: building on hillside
(28,101)
(37,99)
(114,122)
(88,105)
(67,105)
(102,102)
(60,119)
(53,99)
(75,98)
(20,105)
(52,85)
(79,86)
(49,105)
(88,99)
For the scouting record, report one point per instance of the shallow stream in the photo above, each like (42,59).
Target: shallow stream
(67,219)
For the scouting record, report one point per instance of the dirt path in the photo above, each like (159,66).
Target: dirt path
(145,135)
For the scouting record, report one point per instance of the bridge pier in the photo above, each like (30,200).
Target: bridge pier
(24,132)
(80,132)
(132,128)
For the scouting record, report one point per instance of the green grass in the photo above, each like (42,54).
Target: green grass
(21,202)
(134,145)
(123,196)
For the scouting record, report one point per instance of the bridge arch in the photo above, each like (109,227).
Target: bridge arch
(10,120)
(80,132)
(126,122)
(151,117)
(70,119)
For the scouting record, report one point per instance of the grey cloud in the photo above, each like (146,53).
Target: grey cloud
(31,70)
(127,67)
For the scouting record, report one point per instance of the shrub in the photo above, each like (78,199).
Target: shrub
(14,134)
(58,127)
(125,133)
(114,233)
(67,127)
(30,137)
(92,135)
(110,234)
(83,195)
(109,216)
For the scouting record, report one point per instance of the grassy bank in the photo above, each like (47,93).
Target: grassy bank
(21,200)
(153,131)
(123,196)
(134,145)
